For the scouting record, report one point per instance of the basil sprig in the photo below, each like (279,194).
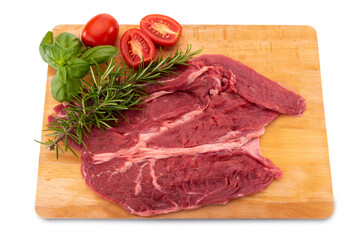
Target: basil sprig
(67,56)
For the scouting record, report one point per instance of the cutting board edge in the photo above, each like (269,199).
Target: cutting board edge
(61,25)
(48,213)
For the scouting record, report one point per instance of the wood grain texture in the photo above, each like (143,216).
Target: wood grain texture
(286,54)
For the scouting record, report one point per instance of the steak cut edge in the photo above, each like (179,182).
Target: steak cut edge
(195,143)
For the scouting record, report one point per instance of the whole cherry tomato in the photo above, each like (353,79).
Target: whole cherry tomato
(100,30)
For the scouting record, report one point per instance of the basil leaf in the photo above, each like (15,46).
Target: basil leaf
(61,54)
(61,72)
(56,56)
(48,38)
(58,88)
(77,68)
(61,91)
(73,87)
(70,43)
(46,41)
(53,56)
(100,54)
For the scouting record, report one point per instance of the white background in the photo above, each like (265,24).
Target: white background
(22,87)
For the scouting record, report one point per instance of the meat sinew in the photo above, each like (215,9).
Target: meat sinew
(195,143)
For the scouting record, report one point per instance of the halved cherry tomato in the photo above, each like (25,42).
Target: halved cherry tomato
(102,29)
(161,29)
(135,46)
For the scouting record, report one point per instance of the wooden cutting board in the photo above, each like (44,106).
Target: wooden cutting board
(286,54)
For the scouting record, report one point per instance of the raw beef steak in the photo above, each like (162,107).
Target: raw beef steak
(195,143)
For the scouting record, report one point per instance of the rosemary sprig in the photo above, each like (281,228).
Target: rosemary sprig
(99,104)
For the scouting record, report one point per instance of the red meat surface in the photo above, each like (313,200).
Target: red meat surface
(195,143)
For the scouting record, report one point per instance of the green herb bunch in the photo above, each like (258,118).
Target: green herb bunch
(100,103)
(71,60)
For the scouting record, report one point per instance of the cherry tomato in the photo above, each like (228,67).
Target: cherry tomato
(100,30)
(135,46)
(161,29)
